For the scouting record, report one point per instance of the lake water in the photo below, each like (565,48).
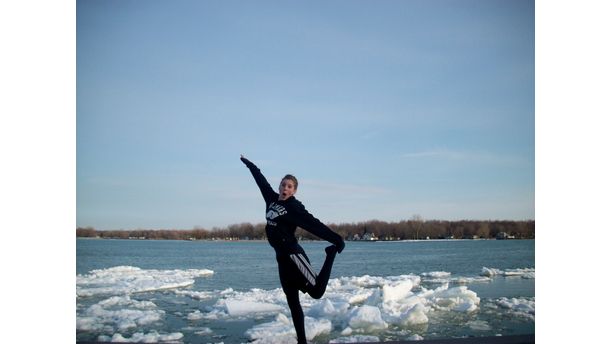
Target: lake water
(212,292)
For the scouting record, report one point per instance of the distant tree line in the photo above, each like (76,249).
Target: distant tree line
(416,229)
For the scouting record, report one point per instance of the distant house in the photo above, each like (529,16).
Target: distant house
(365,237)
(503,236)
(369,237)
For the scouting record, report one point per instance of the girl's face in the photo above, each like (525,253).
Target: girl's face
(286,189)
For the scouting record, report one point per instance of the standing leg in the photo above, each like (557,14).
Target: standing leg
(318,290)
(293,299)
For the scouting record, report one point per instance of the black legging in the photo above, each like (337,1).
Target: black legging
(316,292)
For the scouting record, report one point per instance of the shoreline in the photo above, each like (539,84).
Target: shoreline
(300,241)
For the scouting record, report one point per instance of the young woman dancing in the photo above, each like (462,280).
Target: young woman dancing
(284,214)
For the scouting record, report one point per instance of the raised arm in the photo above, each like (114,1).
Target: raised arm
(266,190)
(307,221)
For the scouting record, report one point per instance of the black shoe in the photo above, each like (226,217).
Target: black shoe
(331,250)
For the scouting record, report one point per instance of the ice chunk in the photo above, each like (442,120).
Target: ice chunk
(436,274)
(282,331)
(368,281)
(479,325)
(238,308)
(356,339)
(197,315)
(524,307)
(415,337)
(118,313)
(360,297)
(327,309)
(367,318)
(255,301)
(489,272)
(415,315)
(204,331)
(458,299)
(197,295)
(465,307)
(525,273)
(140,337)
(128,279)
(375,298)
(468,280)
(396,291)
(315,327)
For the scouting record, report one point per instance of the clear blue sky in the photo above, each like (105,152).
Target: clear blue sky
(382,109)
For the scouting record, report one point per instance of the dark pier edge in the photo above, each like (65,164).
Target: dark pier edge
(514,339)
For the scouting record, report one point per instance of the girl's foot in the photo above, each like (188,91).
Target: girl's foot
(331,250)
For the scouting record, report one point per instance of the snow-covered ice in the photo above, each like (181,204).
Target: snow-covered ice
(354,309)
(128,279)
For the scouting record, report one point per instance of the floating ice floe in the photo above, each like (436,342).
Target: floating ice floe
(445,277)
(479,325)
(524,273)
(118,313)
(356,339)
(238,308)
(523,307)
(128,279)
(204,331)
(198,295)
(436,274)
(235,304)
(458,299)
(196,315)
(140,337)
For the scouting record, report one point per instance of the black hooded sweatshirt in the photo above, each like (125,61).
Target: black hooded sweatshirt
(283,217)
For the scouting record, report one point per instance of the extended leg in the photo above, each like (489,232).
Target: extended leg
(318,290)
(293,299)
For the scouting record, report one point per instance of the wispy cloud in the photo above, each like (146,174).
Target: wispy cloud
(345,187)
(468,156)
(370,135)
(432,154)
